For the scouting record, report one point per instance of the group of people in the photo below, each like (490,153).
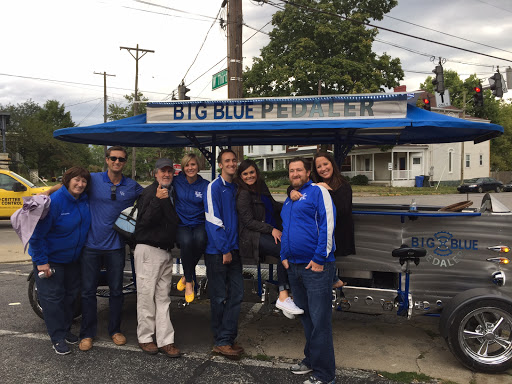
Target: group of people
(234,217)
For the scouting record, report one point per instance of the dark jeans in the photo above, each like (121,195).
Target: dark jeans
(268,247)
(312,291)
(92,260)
(57,295)
(192,242)
(226,291)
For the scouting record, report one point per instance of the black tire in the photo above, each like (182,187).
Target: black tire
(36,306)
(480,336)
(480,190)
(498,189)
(32,297)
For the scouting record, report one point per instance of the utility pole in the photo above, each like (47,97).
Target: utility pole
(462,155)
(234,30)
(105,74)
(136,98)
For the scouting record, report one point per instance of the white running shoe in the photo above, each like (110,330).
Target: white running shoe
(288,314)
(289,306)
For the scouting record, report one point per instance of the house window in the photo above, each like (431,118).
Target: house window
(450,161)
(250,148)
(468,160)
(271,148)
(416,160)
(367,164)
(481,159)
(283,147)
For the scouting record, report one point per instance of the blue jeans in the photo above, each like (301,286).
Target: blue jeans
(92,260)
(226,291)
(312,291)
(57,295)
(192,241)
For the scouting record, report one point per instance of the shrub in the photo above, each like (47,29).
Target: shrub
(275,175)
(277,183)
(359,180)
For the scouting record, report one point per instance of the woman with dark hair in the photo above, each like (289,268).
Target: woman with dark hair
(55,247)
(258,227)
(325,172)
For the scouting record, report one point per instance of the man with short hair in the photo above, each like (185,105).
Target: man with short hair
(222,259)
(155,234)
(109,194)
(307,251)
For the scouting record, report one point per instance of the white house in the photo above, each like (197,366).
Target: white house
(396,166)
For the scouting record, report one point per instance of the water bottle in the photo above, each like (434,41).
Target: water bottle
(42,275)
(413,207)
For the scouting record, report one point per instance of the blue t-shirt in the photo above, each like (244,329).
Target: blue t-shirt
(189,200)
(105,211)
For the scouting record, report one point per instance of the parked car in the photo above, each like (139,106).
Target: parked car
(507,187)
(480,184)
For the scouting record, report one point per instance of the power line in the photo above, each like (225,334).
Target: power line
(291,3)
(495,6)
(168,8)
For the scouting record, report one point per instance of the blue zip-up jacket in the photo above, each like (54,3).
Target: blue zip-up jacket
(221,217)
(189,200)
(61,235)
(308,226)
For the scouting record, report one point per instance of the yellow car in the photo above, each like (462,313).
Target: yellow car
(12,188)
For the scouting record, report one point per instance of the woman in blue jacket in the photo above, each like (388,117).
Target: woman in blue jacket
(189,191)
(55,247)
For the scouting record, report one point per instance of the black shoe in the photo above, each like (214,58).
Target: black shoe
(61,348)
(71,338)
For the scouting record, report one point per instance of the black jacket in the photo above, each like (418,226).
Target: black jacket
(251,221)
(344,231)
(157,221)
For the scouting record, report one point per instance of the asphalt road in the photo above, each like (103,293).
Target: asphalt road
(27,356)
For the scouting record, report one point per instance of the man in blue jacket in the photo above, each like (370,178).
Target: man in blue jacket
(307,251)
(222,259)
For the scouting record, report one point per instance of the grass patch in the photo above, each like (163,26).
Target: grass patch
(262,357)
(378,190)
(406,377)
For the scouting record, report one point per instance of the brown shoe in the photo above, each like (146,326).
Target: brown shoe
(170,350)
(150,348)
(238,348)
(118,339)
(226,350)
(85,344)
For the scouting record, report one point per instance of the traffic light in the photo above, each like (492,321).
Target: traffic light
(438,82)
(478,97)
(426,104)
(182,92)
(496,84)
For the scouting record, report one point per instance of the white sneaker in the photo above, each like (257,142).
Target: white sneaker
(289,306)
(288,314)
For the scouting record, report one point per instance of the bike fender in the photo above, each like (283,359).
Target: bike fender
(464,298)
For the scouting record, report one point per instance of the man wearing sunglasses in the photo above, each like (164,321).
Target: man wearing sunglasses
(110,193)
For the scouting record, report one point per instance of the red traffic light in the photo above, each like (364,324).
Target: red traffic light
(426,101)
(477,89)
(426,104)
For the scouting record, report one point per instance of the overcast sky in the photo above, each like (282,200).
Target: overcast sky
(51,49)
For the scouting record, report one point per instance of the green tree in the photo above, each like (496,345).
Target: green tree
(312,46)
(30,134)
(501,147)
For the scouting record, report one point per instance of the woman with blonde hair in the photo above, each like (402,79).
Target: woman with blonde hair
(190,188)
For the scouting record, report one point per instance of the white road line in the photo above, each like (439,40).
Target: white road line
(195,355)
(13,273)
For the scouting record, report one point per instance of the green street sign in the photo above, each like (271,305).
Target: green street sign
(219,79)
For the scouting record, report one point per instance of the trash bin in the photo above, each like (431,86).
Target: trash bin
(419,181)
(425,181)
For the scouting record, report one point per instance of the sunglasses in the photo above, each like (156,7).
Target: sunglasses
(115,158)
(113,189)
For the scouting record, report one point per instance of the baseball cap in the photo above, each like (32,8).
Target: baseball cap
(162,163)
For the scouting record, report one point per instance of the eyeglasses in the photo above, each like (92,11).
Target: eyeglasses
(113,189)
(115,158)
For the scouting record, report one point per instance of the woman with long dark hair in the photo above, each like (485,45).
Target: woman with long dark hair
(259,226)
(325,172)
